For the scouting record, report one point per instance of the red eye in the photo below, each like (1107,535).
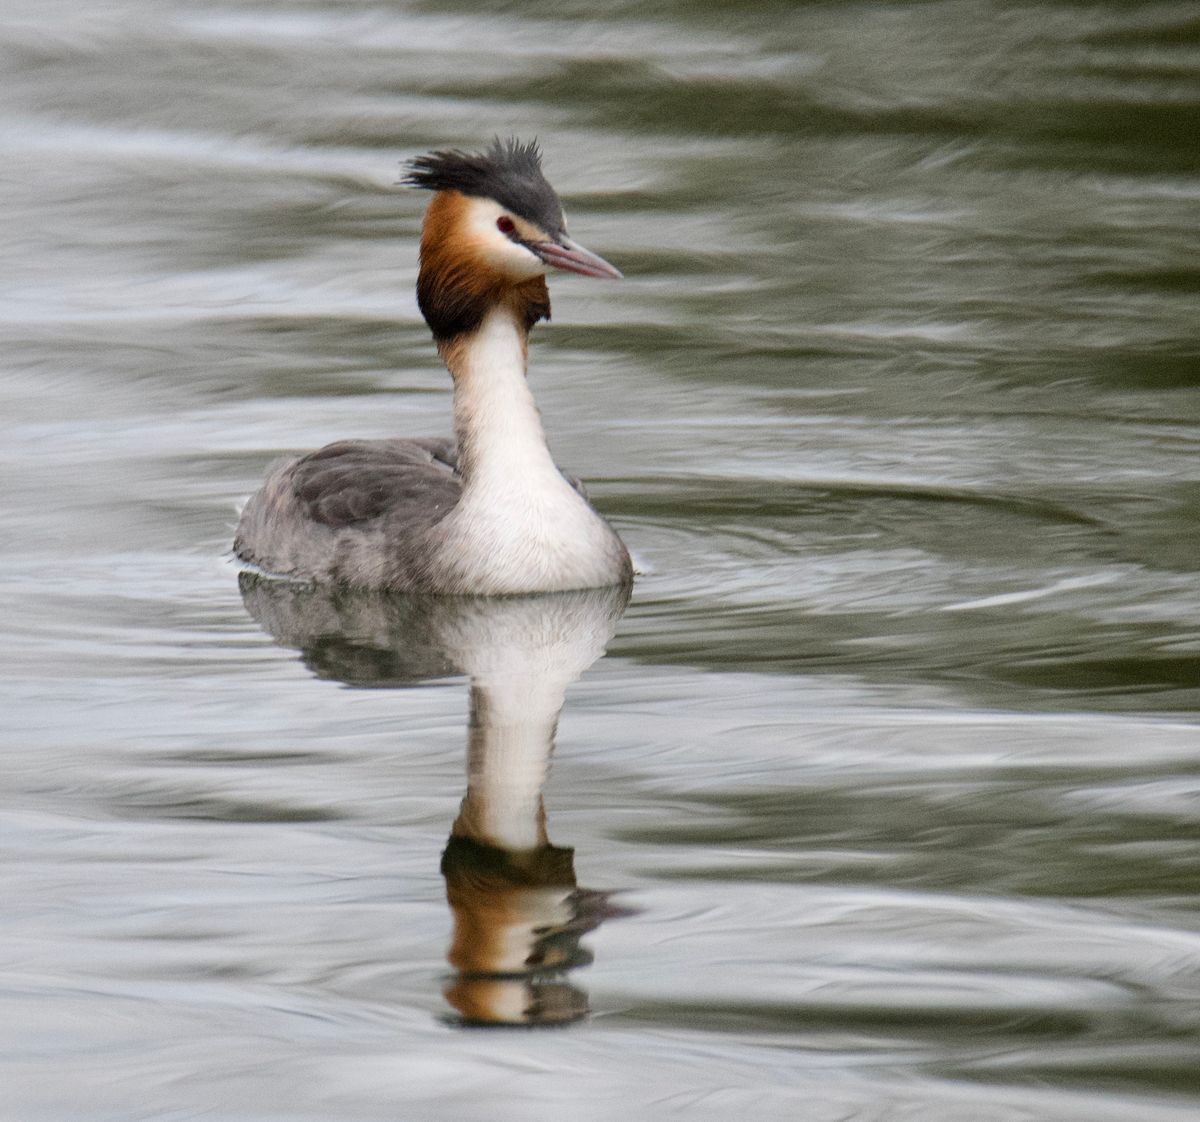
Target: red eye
(505,224)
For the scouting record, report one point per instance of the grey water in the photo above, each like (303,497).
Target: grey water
(884,803)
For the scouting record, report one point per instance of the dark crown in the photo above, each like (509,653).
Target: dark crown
(509,172)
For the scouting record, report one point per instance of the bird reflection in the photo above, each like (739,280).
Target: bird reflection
(518,912)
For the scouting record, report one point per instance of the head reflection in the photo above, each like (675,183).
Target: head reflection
(517,926)
(518,913)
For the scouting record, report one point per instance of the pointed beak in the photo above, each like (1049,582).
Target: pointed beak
(569,255)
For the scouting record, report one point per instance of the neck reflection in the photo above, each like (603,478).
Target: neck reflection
(518,913)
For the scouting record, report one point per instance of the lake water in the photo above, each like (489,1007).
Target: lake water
(884,803)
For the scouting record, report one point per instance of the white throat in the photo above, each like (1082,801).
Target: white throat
(496,420)
(512,737)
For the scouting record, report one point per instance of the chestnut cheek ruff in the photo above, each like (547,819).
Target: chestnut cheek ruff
(454,290)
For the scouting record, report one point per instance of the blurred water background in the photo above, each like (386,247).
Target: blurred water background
(893,765)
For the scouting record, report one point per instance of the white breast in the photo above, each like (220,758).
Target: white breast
(519,526)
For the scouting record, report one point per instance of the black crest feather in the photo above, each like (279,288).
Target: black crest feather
(509,172)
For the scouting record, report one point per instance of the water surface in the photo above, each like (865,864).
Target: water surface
(887,793)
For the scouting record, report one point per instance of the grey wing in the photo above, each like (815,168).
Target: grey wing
(357,481)
(348,504)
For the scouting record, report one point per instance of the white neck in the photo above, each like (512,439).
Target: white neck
(522,653)
(500,438)
(512,736)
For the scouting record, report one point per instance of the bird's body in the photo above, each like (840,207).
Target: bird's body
(487,513)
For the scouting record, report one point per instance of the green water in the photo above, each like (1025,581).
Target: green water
(885,801)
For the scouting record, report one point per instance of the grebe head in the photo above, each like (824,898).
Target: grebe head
(493,230)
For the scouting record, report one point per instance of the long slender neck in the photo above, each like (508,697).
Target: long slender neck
(522,653)
(513,721)
(496,421)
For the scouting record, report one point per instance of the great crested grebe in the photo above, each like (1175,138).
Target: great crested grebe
(487,513)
